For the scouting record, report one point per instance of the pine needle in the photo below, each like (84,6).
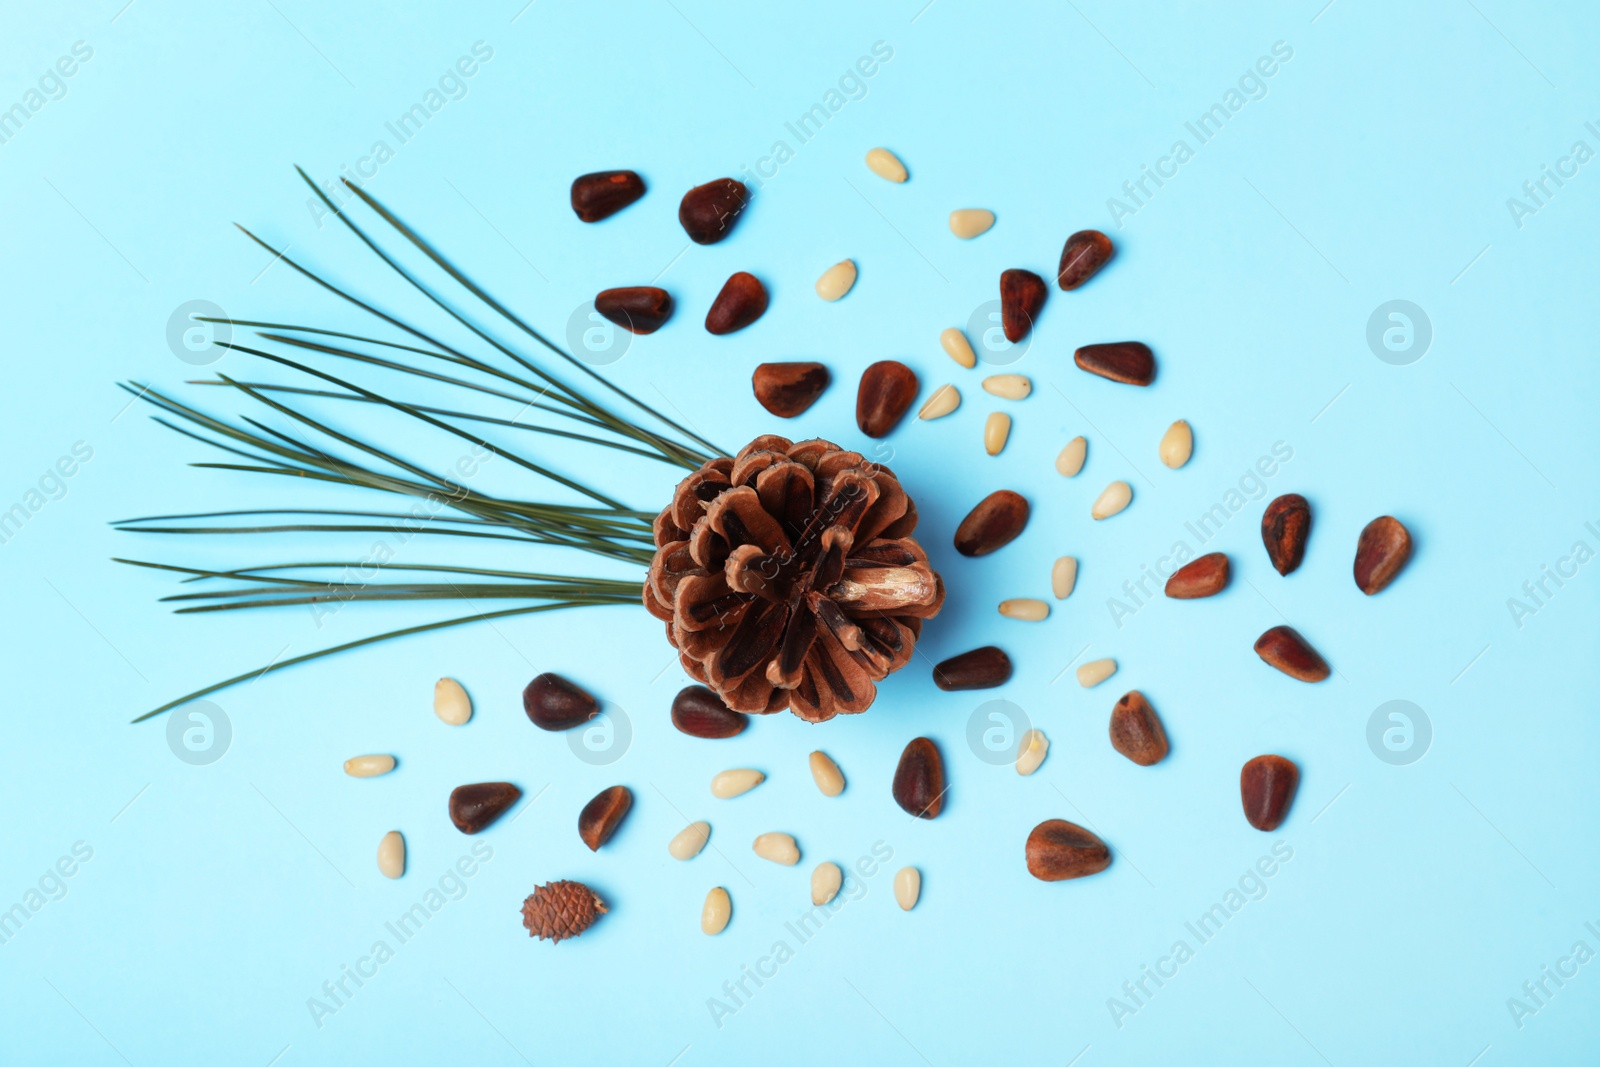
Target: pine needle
(314,450)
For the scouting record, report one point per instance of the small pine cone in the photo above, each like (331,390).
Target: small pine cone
(788,578)
(559,910)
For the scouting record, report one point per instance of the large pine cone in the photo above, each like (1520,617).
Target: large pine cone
(788,578)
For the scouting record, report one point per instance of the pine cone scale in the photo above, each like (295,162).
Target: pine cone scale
(754,641)
(784,671)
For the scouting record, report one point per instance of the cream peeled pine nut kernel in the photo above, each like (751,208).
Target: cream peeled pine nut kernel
(886,165)
(1025,609)
(837,280)
(1063,576)
(1008,386)
(777,847)
(958,348)
(1112,499)
(969,222)
(826,773)
(1031,752)
(687,843)
(392,855)
(1096,671)
(1070,461)
(907,887)
(732,783)
(944,400)
(368,766)
(451,703)
(716,911)
(1177,444)
(826,879)
(996,429)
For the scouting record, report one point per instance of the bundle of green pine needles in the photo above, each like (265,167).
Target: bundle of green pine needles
(310,448)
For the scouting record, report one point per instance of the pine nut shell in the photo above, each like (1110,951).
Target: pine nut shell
(1267,785)
(1082,257)
(1381,551)
(919,784)
(1022,295)
(982,668)
(1283,647)
(1136,730)
(995,522)
(639,309)
(600,817)
(699,712)
(789,389)
(554,703)
(742,301)
(475,807)
(887,389)
(1058,850)
(1285,526)
(1203,577)
(1128,362)
(604,193)
(707,212)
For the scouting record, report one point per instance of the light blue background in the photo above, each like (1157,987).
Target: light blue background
(1377,166)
